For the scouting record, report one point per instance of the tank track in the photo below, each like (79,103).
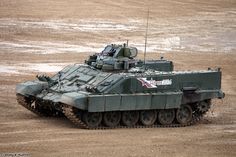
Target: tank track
(69,112)
(26,102)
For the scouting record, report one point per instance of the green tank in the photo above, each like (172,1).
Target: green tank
(113,89)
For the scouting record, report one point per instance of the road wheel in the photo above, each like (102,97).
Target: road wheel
(148,117)
(166,116)
(130,118)
(92,119)
(184,114)
(111,119)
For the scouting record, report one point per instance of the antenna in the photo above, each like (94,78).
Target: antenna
(145,47)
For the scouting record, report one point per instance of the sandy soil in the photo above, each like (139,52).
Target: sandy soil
(38,37)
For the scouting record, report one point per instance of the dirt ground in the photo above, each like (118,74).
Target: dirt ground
(42,37)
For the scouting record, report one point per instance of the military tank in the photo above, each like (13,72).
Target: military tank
(113,89)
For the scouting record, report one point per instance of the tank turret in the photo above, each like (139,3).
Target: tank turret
(114,57)
(122,58)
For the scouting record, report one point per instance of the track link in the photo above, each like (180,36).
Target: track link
(70,113)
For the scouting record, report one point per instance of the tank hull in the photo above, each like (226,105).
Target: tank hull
(163,97)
